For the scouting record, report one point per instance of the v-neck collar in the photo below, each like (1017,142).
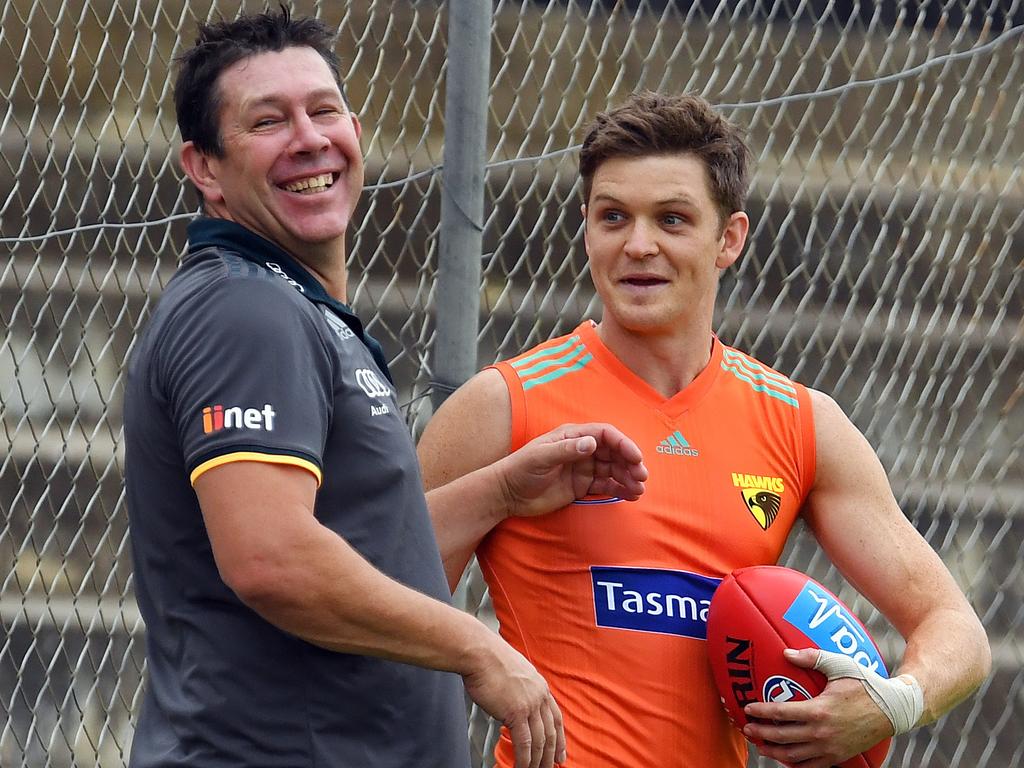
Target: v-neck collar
(682,401)
(206,232)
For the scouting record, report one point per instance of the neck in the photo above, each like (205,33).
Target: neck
(325,260)
(329,269)
(668,362)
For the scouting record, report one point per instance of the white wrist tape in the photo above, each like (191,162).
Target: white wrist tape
(900,698)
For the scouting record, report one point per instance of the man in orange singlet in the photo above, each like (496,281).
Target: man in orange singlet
(609,598)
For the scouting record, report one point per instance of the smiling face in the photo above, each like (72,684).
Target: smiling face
(656,244)
(292,167)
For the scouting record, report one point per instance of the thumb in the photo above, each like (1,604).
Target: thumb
(805,658)
(567,449)
(543,455)
(584,446)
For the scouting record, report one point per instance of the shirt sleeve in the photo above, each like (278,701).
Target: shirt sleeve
(248,377)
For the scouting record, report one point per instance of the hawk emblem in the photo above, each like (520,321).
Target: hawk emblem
(763,505)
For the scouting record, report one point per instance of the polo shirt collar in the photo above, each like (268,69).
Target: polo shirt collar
(206,232)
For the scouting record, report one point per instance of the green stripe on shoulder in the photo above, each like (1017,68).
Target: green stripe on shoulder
(544,353)
(551,362)
(762,385)
(557,373)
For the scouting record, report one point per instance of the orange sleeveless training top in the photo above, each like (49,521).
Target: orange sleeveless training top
(608,599)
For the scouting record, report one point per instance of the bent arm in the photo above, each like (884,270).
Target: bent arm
(474,482)
(305,579)
(857,521)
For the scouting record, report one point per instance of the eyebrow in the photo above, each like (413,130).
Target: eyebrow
(604,197)
(677,200)
(273,100)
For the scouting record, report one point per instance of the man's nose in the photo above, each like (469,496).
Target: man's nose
(307,136)
(642,240)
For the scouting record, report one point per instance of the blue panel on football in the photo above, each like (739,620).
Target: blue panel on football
(652,600)
(830,626)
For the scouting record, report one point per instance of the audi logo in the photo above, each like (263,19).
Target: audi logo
(371,384)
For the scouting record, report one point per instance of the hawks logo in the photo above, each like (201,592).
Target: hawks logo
(761,495)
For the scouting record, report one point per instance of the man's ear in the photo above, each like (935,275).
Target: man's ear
(734,236)
(202,171)
(356,124)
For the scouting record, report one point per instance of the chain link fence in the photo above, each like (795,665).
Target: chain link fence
(884,266)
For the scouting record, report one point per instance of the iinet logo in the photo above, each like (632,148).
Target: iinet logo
(217,417)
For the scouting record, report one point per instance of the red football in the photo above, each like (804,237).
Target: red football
(758,612)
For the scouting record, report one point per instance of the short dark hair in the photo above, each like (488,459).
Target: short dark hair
(649,123)
(197,101)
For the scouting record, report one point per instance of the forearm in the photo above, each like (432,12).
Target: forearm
(949,655)
(463,512)
(328,595)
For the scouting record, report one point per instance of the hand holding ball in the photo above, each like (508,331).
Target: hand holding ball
(757,613)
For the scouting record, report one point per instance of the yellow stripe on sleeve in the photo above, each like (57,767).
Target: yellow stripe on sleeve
(266,458)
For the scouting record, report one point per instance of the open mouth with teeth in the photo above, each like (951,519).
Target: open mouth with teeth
(312,185)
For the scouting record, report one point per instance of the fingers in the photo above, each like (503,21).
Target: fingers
(826,730)
(617,479)
(793,744)
(560,750)
(563,450)
(626,474)
(615,454)
(507,686)
(610,440)
(538,741)
(539,738)
(800,754)
(522,741)
(553,733)
(618,474)
(550,736)
(778,733)
(606,486)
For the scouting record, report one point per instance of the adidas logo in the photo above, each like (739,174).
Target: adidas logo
(676,445)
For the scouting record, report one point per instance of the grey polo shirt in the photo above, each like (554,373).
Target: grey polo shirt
(247,358)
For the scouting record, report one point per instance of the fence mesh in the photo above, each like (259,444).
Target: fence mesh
(884,266)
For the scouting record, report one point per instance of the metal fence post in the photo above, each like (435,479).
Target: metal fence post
(457,298)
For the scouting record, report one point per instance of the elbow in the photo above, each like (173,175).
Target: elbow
(977,652)
(262,585)
(985,656)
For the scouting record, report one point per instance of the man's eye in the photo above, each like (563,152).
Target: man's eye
(265,122)
(673,220)
(613,217)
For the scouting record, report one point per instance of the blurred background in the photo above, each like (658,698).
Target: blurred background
(884,266)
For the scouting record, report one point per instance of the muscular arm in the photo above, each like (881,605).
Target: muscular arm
(857,521)
(854,516)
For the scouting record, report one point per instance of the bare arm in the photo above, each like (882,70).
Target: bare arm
(471,430)
(857,521)
(475,482)
(303,578)
(854,516)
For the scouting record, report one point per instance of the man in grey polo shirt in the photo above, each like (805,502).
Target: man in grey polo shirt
(296,607)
